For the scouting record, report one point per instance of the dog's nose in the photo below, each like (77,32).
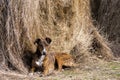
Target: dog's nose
(44,53)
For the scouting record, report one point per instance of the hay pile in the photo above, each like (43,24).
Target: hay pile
(110,18)
(67,22)
(106,13)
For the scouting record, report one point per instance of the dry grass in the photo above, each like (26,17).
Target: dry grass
(106,14)
(99,70)
(109,20)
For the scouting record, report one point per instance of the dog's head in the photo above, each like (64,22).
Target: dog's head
(42,44)
(41,49)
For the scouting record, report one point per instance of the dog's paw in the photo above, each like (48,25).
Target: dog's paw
(39,63)
(30,74)
(63,70)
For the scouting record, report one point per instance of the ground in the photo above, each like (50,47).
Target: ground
(100,70)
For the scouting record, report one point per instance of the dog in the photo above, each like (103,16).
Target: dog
(39,55)
(47,61)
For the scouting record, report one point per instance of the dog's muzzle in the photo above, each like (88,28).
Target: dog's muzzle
(40,60)
(44,52)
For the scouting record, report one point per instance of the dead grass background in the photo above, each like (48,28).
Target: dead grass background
(67,22)
(107,18)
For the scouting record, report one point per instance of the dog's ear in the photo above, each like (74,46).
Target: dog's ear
(37,41)
(48,40)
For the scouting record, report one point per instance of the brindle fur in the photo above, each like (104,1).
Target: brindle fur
(64,59)
(34,65)
(48,63)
